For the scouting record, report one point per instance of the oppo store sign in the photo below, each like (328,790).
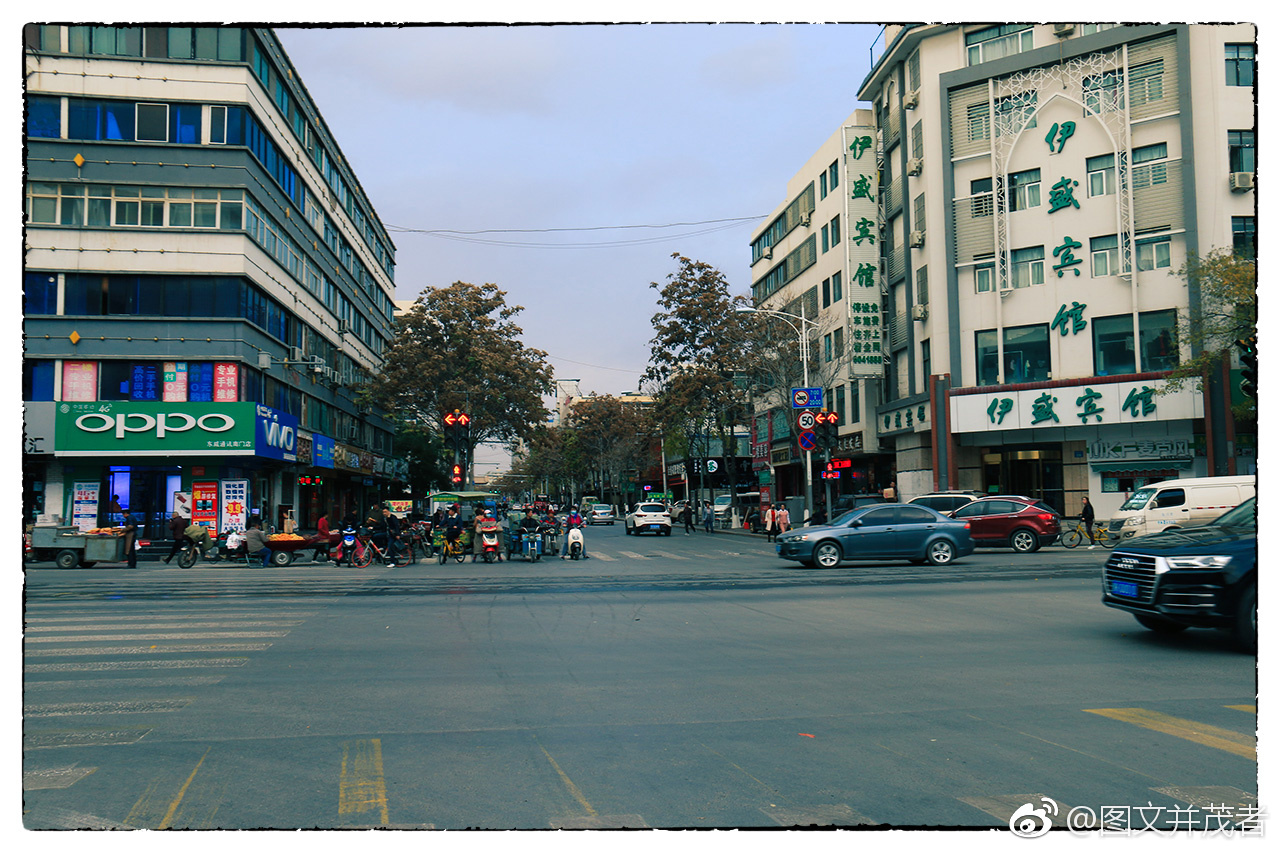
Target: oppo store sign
(154,429)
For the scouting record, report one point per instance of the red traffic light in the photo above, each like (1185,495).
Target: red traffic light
(456,418)
(463,419)
(825,417)
(457,473)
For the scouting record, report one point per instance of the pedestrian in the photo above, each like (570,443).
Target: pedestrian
(770,523)
(708,517)
(890,492)
(1086,515)
(177,524)
(255,541)
(131,540)
(322,533)
(783,519)
(114,511)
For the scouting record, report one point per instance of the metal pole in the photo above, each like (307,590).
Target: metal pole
(808,454)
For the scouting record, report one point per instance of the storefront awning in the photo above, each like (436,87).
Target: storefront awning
(1166,467)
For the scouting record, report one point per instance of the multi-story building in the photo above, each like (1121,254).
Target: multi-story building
(815,264)
(204,282)
(1047,181)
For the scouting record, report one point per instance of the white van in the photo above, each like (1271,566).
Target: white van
(721,505)
(1174,504)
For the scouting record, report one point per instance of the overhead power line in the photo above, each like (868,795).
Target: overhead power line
(716,225)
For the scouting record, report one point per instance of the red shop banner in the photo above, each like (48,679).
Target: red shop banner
(204,505)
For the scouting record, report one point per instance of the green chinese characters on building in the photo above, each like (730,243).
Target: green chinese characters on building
(865,275)
(1062,194)
(1059,134)
(1139,403)
(1066,260)
(864,228)
(1088,405)
(862,188)
(1070,319)
(1042,409)
(859,145)
(1000,406)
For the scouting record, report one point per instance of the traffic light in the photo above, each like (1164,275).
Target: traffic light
(825,427)
(1248,366)
(457,474)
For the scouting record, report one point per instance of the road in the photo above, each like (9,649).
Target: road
(683,681)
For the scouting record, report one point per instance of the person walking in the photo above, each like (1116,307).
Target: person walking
(783,520)
(131,540)
(1086,515)
(177,524)
(770,523)
(890,494)
(686,515)
(708,517)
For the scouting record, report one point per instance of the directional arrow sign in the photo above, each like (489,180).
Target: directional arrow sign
(808,441)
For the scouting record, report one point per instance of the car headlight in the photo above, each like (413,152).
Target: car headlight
(1135,521)
(1202,562)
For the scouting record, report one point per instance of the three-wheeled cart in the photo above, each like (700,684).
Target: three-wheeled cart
(69,547)
(285,551)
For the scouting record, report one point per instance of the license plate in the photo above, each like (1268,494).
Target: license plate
(1128,590)
(778,548)
(655,526)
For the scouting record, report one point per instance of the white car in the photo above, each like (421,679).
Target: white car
(601,514)
(652,517)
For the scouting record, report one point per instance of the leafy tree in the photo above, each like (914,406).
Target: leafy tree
(613,435)
(425,453)
(1227,284)
(695,356)
(458,348)
(553,457)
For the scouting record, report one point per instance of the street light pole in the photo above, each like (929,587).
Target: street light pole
(803,332)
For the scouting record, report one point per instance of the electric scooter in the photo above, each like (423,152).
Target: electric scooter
(489,543)
(575,546)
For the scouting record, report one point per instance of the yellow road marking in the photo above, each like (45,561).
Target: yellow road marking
(1248,709)
(182,792)
(1201,733)
(361,787)
(568,783)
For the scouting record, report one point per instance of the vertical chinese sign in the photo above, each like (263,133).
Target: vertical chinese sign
(79,381)
(226,383)
(235,504)
(84,505)
(204,505)
(175,382)
(862,252)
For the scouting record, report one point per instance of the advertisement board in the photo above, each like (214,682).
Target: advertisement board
(235,504)
(321,451)
(862,254)
(154,429)
(204,505)
(84,505)
(275,434)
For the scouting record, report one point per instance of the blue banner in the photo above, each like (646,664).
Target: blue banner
(275,434)
(321,451)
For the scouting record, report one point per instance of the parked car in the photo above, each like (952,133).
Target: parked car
(649,516)
(1021,523)
(1178,504)
(890,531)
(1201,577)
(721,505)
(949,501)
(844,503)
(601,514)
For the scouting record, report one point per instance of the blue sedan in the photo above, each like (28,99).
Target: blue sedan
(881,531)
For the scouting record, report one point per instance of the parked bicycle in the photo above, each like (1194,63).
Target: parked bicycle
(1073,537)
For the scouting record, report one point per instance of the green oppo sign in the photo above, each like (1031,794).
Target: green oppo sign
(154,429)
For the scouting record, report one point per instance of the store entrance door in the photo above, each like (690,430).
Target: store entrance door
(1036,474)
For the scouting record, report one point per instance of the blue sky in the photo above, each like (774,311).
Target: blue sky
(553,127)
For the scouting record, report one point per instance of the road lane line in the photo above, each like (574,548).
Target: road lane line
(99,683)
(568,783)
(596,555)
(84,709)
(1201,733)
(670,556)
(182,792)
(148,650)
(361,786)
(157,626)
(1002,806)
(633,555)
(1248,709)
(54,777)
(209,635)
(110,665)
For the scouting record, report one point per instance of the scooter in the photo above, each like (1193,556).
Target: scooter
(489,543)
(349,546)
(531,546)
(575,546)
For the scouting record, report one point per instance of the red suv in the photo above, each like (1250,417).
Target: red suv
(1022,523)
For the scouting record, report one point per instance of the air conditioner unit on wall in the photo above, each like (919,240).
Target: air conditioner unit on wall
(768,254)
(915,166)
(1063,30)
(917,239)
(911,100)
(919,312)
(804,219)
(317,364)
(1241,182)
(295,354)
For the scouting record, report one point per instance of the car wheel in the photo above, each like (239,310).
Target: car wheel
(941,552)
(667,532)
(1024,541)
(281,558)
(67,559)
(827,555)
(1159,624)
(1245,630)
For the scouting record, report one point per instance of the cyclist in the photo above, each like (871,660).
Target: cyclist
(452,527)
(199,537)
(386,534)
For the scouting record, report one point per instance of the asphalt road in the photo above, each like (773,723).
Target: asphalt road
(683,681)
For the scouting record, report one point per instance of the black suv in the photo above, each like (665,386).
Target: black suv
(1197,577)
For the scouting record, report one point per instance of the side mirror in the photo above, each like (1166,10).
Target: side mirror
(857,522)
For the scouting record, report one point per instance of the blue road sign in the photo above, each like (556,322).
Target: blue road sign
(806,398)
(808,441)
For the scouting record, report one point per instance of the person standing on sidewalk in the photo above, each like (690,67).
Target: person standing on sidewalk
(1086,515)
(131,540)
(770,523)
(708,517)
(783,521)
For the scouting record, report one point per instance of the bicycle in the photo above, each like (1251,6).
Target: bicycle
(452,548)
(1078,534)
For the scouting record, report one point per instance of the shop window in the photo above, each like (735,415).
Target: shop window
(1158,337)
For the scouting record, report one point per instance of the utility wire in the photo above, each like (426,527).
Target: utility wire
(716,225)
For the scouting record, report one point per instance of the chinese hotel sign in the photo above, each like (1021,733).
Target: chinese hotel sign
(863,253)
(1085,403)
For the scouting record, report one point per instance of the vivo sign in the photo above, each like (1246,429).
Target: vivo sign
(276,434)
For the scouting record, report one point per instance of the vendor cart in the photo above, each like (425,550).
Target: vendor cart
(69,547)
(286,551)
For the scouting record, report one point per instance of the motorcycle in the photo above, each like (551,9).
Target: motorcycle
(531,545)
(547,533)
(575,546)
(489,543)
(350,546)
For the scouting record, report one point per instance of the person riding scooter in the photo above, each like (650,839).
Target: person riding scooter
(488,533)
(574,538)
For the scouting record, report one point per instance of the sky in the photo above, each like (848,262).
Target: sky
(492,128)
